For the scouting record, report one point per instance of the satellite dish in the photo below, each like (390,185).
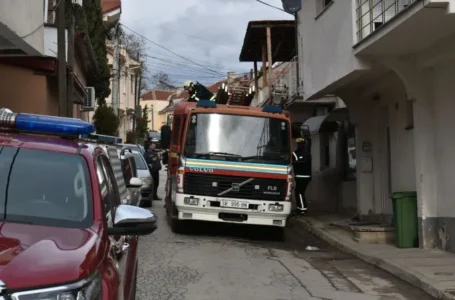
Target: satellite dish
(292,6)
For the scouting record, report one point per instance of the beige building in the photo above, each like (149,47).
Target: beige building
(156,101)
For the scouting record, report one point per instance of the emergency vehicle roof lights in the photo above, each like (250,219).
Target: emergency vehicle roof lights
(44,124)
(276,109)
(107,139)
(206,104)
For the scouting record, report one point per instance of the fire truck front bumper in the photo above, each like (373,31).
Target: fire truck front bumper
(232,210)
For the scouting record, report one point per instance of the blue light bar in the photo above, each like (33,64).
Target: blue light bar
(276,109)
(107,139)
(206,104)
(44,124)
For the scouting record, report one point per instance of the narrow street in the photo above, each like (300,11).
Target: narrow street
(236,262)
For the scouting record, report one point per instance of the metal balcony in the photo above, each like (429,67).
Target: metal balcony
(372,14)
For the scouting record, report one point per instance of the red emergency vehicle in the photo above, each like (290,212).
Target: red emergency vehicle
(228,163)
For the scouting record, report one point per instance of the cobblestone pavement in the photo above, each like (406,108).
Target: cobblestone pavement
(218,262)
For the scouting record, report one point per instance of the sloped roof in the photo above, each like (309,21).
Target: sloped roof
(110,5)
(155,94)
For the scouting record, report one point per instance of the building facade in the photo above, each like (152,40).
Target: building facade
(391,64)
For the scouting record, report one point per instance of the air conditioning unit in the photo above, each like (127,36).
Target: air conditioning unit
(89,101)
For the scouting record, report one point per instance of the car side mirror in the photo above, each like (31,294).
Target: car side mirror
(133,220)
(135,183)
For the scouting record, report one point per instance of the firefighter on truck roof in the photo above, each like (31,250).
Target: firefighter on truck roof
(197,91)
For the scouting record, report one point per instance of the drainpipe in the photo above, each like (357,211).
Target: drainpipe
(297,75)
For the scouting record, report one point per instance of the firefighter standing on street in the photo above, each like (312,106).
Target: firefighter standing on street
(302,172)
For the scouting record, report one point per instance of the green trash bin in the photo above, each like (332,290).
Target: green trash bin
(405,219)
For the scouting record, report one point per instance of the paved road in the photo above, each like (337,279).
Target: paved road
(218,262)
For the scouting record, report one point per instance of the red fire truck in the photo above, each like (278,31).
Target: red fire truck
(228,163)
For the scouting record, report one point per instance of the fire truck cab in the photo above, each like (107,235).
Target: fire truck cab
(228,163)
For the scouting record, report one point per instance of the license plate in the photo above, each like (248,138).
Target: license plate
(234,204)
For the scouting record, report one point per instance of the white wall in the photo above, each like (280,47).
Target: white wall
(327,44)
(50,42)
(444,108)
(24,17)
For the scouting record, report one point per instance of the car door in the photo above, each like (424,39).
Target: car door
(111,200)
(125,246)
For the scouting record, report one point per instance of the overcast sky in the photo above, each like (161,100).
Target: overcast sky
(208,32)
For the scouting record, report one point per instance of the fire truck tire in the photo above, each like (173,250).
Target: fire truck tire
(177,225)
(279,234)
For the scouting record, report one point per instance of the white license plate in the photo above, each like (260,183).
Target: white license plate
(234,204)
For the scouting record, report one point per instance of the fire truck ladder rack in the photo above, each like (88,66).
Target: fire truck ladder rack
(237,95)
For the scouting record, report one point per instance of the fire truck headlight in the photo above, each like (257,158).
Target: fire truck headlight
(191,201)
(276,207)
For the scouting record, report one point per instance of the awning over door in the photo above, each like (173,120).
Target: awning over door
(327,123)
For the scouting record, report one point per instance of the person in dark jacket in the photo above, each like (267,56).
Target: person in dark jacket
(154,164)
(302,172)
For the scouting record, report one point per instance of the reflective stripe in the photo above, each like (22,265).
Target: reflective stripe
(303,176)
(295,155)
(301,203)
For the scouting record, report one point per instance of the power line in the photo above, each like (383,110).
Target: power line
(170,51)
(179,64)
(192,36)
(36,29)
(272,6)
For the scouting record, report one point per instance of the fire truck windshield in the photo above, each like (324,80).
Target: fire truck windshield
(238,137)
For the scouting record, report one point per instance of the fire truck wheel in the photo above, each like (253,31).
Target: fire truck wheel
(177,225)
(279,234)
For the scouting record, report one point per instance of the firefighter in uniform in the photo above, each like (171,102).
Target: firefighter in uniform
(197,91)
(302,173)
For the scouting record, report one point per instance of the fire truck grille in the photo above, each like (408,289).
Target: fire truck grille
(235,187)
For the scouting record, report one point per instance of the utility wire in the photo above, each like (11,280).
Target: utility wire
(36,29)
(192,36)
(170,51)
(272,6)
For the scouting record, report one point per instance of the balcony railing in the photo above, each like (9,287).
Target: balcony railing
(372,14)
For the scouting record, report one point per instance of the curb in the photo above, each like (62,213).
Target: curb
(383,264)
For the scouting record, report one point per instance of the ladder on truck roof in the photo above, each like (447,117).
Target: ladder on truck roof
(235,95)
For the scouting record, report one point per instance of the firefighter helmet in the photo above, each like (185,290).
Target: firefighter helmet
(300,140)
(187,84)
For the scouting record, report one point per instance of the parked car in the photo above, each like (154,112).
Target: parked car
(146,177)
(136,147)
(67,232)
(153,137)
(123,172)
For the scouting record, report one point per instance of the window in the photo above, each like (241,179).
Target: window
(175,131)
(45,188)
(133,90)
(237,137)
(351,152)
(140,163)
(127,170)
(106,194)
(322,4)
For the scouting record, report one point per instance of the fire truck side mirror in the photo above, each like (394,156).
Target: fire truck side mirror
(165,136)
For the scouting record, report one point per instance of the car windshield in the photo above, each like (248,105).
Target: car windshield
(140,163)
(44,188)
(237,137)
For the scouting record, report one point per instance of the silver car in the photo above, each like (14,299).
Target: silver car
(144,174)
